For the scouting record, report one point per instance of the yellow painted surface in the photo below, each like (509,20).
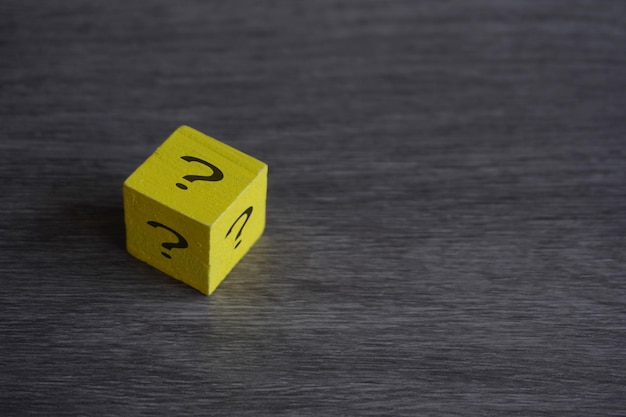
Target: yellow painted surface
(194,208)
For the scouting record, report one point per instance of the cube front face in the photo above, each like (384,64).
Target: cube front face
(194,208)
(166,239)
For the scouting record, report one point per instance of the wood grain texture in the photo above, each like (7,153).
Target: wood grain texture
(445,232)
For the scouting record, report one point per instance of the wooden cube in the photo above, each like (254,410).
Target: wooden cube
(194,208)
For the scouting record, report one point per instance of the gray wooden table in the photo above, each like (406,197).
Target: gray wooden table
(446,226)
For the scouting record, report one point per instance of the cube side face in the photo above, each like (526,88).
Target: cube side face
(236,231)
(166,239)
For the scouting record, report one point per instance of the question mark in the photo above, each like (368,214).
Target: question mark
(247,212)
(182,242)
(216,176)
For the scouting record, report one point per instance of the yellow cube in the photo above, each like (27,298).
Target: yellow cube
(194,208)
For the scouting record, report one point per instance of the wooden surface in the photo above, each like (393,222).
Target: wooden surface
(446,210)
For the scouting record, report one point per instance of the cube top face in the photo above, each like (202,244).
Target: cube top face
(195,174)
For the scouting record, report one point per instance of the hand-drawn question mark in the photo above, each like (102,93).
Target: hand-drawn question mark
(181,244)
(247,212)
(216,176)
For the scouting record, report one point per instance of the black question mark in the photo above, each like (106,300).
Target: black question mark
(247,212)
(216,176)
(181,244)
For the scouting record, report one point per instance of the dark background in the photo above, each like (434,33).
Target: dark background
(446,211)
